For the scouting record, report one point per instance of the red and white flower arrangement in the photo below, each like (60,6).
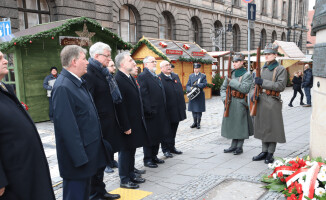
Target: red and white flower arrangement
(298,179)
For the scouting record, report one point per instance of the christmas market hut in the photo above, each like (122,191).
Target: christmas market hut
(180,53)
(32,52)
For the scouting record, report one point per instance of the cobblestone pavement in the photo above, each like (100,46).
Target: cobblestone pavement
(203,165)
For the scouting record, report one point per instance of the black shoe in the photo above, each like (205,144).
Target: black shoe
(108,196)
(193,125)
(108,169)
(168,154)
(198,123)
(269,158)
(139,171)
(175,151)
(158,161)
(238,151)
(129,185)
(229,150)
(290,104)
(151,165)
(260,156)
(301,103)
(138,180)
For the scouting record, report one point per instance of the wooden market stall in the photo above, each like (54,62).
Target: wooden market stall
(33,51)
(181,54)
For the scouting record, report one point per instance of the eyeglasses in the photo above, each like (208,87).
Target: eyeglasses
(154,61)
(106,56)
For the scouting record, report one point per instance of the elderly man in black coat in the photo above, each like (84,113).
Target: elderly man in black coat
(176,106)
(105,93)
(24,171)
(132,121)
(80,146)
(155,110)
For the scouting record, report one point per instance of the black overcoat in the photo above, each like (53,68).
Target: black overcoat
(79,141)
(155,110)
(175,100)
(100,90)
(130,112)
(24,170)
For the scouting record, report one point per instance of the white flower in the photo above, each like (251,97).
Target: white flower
(323,169)
(270,166)
(308,163)
(321,176)
(275,176)
(319,191)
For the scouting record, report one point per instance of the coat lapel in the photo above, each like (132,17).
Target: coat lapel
(127,79)
(156,80)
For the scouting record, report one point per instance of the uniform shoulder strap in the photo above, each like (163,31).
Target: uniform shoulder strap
(274,74)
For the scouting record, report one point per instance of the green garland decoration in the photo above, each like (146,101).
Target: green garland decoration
(197,60)
(139,62)
(24,40)
(150,46)
(262,53)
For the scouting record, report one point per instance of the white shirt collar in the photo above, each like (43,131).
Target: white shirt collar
(75,75)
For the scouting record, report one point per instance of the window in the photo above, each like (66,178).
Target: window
(263,38)
(274,8)
(236,3)
(127,24)
(263,7)
(284,10)
(274,36)
(165,26)
(301,12)
(10,77)
(283,37)
(236,37)
(252,39)
(218,36)
(195,34)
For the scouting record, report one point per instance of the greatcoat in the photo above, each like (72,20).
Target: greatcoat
(24,170)
(268,125)
(198,103)
(238,125)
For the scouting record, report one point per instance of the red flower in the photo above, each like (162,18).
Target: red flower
(299,189)
(280,174)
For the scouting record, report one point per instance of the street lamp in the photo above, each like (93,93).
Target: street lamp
(228,27)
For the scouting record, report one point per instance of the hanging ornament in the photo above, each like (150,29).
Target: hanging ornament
(30,41)
(52,38)
(186,46)
(15,43)
(85,33)
(112,36)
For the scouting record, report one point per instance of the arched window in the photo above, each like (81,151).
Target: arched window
(236,37)
(252,39)
(274,36)
(218,34)
(166,24)
(263,38)
(283,37)
(195,30)
(32,12)
(127,24)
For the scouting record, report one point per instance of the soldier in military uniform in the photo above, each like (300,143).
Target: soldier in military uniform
(197,105)
(268,124)
(238,125)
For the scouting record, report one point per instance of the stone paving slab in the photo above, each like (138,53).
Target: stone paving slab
(203,165)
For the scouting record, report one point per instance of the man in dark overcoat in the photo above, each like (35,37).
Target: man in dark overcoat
(197,105)
(155,110)
(99,81)
(80,146)
(176,106)
(132,121)
(24,170)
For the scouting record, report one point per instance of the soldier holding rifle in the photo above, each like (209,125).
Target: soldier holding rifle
(268,124)
(237,125)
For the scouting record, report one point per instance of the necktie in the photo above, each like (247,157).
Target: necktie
(132,80)
(3,87)
(170,77)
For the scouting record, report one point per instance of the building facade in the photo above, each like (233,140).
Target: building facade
(213,24)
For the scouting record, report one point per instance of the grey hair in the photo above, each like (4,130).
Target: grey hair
(70,52)
(98,48)
(162,63)
(120,57)
(146,59)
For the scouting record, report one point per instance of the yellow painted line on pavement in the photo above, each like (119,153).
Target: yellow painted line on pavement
(130,194)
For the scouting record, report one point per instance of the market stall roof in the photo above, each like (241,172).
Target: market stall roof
(175,50)
(53,29)
(216,54)
(289,49)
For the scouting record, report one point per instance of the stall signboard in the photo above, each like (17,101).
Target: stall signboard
(197,53)
(175,52)
(68,40)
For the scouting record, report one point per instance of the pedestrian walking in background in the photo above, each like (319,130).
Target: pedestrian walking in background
(48,85)
(197,105)
(238,125)
(176,106)
(268,124)
(307,84)
(105,93)
(297,81)
(80,146)
(24,170)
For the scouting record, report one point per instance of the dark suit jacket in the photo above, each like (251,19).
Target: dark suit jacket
(130,112)
(79,140)
(24,170)
(175,100)
(154,103)
(100,90)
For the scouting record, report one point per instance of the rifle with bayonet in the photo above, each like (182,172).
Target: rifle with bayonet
(227,101)
(254,99)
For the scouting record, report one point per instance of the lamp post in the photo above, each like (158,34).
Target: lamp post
(228,27)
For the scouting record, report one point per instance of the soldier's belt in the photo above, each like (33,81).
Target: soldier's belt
(271,92)
(237,94)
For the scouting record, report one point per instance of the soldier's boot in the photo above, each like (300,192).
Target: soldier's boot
(230,149)
(260,156)
(194,124)
(238,151)
(269,158)
(198,123)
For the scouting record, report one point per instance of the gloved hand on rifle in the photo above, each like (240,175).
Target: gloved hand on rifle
(258,81)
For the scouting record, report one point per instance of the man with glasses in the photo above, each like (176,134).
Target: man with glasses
(155,110)
(106,94)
